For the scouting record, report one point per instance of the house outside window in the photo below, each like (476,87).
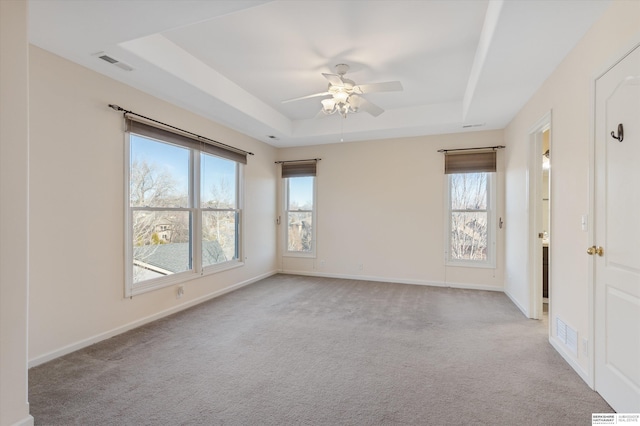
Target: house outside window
(183,211)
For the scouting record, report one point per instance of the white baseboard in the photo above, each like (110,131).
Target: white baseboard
(518,305)
(559,347)
(27,421)
(394,280)
(142,321)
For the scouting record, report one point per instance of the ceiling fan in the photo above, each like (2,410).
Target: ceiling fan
(345,94)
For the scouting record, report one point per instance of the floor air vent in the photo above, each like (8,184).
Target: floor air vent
(567,335)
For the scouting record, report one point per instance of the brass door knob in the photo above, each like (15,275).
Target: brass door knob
(595,250)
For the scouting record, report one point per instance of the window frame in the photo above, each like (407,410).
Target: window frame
(195,210)
(490,261)
(286,211)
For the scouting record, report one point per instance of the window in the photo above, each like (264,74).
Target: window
(299,197)
(183,209)
(299,214)
(220,212)
(470,216)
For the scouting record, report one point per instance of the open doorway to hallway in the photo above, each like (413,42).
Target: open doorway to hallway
(540,218)
(546,217)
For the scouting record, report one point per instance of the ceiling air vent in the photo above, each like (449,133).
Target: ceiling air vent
(114,61)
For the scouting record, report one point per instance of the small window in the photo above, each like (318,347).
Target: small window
(300,201)
(470,233)
(299,189)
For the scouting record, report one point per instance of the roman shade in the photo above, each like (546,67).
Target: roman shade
(299,168)
(469,162)
(184,139)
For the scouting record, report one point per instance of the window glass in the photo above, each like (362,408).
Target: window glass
(218,197)
(469,236)
(469,218)
(300,212)
(157,254)
(218,182)
(469,191)
(301,193)
(219,236)
(159,174)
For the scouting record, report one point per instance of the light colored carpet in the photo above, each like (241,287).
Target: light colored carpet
(293,350)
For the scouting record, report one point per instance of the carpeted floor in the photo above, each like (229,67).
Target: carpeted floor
(293,350)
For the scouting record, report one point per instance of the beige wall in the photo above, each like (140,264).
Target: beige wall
(14,227)
(568,94)
(380,204)
(77,209)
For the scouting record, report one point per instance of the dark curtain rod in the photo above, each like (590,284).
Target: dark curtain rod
(125,112)
(470,149)
(298,161)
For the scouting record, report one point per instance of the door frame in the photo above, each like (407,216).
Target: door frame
(534,187)
(591,284)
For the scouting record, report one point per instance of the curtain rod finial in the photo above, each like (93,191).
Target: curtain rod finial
(116,107)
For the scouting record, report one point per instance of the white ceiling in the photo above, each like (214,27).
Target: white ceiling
(461,62)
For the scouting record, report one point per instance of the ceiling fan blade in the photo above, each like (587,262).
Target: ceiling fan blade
(389,86)
(364,105)
(334,79)
(315,95)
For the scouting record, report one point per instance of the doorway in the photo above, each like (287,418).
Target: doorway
(546,215)
(539,176)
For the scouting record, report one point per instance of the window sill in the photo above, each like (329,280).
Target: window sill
(214,269)
(179,278)
(303,255)
(482,265)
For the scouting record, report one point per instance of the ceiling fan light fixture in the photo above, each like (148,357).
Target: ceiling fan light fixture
(341,97)
(344,109)
(345,94)
(353,103)
(328,106)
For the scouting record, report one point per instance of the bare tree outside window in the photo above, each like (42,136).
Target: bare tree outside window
(220,213)
(160,217)
(469,216)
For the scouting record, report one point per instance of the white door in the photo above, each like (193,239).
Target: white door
(616,250)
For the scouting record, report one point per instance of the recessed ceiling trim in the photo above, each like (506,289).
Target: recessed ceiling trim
(171,58)
(486,36)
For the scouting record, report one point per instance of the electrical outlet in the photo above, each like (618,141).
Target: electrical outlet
(360,267)
(180,291)
(585,348)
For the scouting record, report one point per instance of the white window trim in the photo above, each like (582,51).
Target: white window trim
(490,263)
(285,229)
(133,289)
